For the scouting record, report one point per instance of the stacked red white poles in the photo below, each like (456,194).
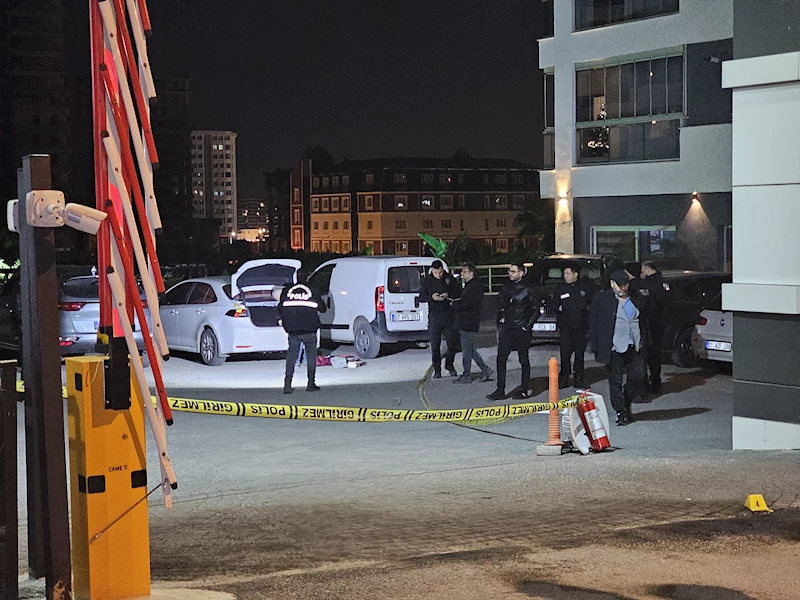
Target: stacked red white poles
(122,85)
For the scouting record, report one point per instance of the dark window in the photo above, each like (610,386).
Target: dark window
(177,295)
(227,289)
(642,87)
(658,86)
(612,93)
(201,294)
(675,84)
(626,90)
(597,13)
(320,282)
(405,280)
(549,101)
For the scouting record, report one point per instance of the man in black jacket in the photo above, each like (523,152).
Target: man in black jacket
(468,323)
(298,312)
(518,310)
(572,298)
(439,289)
(619,335)
(653,291)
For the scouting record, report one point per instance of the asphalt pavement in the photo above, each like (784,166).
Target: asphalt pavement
(261,499)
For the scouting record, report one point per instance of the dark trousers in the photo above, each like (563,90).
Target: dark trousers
(309,340)
(627,377)
(437,329)
(509,339)
(654,355)
(469,353)
(573,340)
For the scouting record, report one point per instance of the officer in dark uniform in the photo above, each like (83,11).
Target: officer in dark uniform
(652,289)
(439,289)
(573,299)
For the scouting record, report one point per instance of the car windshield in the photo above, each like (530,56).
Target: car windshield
(405,280)
(86,288)
(551,272)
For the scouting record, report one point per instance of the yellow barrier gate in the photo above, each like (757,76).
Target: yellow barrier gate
(108,488)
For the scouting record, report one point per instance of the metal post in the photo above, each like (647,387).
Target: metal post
(48,517)
(9,552)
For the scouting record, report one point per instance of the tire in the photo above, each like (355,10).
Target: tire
(683,354)
(209,349)
(365,340)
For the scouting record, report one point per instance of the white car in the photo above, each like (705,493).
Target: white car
(712,338)
(372,300)
(219,316)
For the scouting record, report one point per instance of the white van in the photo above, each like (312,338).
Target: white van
(372,300)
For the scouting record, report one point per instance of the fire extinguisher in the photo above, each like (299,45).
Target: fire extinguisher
(593,425)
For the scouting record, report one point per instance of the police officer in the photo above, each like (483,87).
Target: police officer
(652,289)
(573,299)
(439,289)
(298,312)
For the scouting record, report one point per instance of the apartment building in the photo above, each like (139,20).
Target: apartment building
(385,203)
(638,129)
(214,191)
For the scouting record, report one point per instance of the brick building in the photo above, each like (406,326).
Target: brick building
(385,203)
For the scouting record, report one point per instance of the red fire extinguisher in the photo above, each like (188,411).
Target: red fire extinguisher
(593,425)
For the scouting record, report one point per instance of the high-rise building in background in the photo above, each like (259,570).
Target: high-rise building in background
(277,197)
(214,192)
(172,133)
(34,100)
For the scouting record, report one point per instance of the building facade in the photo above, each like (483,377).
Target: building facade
(638,129)
(214,191)
(384,204)
(277,184)
(765,293)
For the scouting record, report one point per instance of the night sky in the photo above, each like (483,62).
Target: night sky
(363,79)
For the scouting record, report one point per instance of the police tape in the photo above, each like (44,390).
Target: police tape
(355,414)
(352,414)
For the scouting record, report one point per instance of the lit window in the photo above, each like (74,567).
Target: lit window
(401,202)
(427,202)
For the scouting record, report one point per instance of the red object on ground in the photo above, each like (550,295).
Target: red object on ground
(595,430)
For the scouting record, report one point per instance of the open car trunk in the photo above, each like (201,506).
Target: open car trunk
(254,283)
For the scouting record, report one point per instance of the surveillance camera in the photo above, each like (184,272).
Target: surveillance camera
(83,218)
(712,59)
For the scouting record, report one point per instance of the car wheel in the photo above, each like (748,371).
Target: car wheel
(209,349)
(366,343)
(684,355)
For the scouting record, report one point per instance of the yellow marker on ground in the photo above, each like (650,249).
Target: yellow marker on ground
(756,503)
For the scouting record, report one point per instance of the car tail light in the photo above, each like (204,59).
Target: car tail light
(71,306)
(66,342)
(379,298)
(701,320)
(239,311)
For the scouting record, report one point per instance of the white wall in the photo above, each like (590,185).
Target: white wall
(766,183)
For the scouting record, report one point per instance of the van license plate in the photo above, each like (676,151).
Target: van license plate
(724,346)
(544,326)
(405,317)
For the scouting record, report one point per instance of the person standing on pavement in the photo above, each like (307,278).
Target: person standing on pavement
(298,313)
(573,299)
(653,291)
(517,311)
(618,334)
(439,288)
(468,323)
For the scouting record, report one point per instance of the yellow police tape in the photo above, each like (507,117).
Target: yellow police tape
(353,414)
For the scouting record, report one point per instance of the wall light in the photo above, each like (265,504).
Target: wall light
(695,199)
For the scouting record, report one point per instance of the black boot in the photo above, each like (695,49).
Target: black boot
(498,394)
(622,418)
(579,382)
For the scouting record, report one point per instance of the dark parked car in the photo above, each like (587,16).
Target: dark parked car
(548,273)
(689,293)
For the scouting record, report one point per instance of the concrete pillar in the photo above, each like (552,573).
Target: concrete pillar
(765,293)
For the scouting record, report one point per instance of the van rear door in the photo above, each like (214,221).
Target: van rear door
(404,311)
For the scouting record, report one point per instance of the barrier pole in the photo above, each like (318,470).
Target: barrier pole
(553,427)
